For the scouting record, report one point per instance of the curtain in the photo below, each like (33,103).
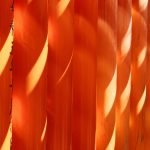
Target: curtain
(74,74)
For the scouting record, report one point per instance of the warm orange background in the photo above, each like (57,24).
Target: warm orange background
(74,74)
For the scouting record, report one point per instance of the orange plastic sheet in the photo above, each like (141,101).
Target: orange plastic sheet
(60,44)
(138,74)
(147,103)
(6,39)
(124,34)
(106,78)
(29,75)
(84,75)
(74,74)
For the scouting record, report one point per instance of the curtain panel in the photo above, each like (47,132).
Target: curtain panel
(74,74)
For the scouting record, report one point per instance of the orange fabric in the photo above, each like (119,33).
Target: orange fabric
(60,45)
(29,92)
(124,36)
(84,75)
(5,72)
(74,74)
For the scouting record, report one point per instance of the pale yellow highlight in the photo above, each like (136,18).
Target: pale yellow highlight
(143,4)
(61,6)
(6,144)
(5,52)
(124,98)
(44,131)
(37,70)
(126,41)
(142,56)
(111,145)
(110,94)
(141,102)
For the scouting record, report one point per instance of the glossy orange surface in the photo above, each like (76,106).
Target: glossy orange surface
(74,74)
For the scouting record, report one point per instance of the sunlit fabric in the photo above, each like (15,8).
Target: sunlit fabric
(74,74)
(111,143)
(141,102)
(6,39)
(5,53)
(37,69)
(143,4)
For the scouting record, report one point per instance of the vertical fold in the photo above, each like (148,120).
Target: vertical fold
(106,77)
(147,104)
(6,39)
(29,75)
(84,75)
(138,73)
(124,34)
(61,48)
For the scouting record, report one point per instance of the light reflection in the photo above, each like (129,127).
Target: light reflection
(105,27)
(130,121)
(17,114)
(29,1)
(6,143)
(50,32)
(5,52)
(111,144)
(142,56)
(37,70)
(126,41)
(124,98)
(65,71)
(143,4)
(44,131)
(61,6)
(19,27)
(141,102)
(110,94)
